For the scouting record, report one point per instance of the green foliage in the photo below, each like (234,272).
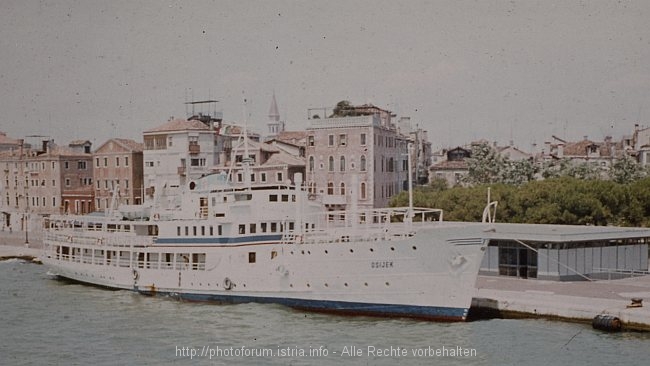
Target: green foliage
(438,184)
(486,166)
(625,170)
(563,200)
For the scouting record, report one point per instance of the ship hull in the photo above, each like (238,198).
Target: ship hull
(429,275)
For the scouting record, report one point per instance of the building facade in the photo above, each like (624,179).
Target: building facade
(358,155)
(453,169)
(176,153)
(118,170)
(38,183)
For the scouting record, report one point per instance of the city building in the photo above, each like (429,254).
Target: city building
(274,125)
(355,152)
(422,152)
(8,143)
(268,164)
(453,169)
(118,170)
(40,182)
(176,153)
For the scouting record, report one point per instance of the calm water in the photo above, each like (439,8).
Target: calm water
(44,321)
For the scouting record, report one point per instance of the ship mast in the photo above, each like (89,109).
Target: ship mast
(246,160)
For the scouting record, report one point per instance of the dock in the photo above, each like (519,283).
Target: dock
(497,296)
(580,301)
(13,246)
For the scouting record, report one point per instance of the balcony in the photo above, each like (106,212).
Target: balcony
(194,148)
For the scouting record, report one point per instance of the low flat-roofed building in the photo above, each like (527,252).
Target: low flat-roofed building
(565,252)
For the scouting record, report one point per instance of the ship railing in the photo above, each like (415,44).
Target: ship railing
(91,240)
(349,234)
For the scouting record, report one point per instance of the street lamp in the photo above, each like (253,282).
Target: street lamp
(26,218)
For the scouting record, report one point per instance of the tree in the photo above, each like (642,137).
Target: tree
(517,172)
(342,109)
(485,165)
(625,170)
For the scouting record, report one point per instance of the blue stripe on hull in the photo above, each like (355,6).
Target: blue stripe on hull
(328,306)
(219,240)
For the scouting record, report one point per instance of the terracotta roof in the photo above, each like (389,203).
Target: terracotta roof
(65,151)
(284,158)
(291,137)
(130,145)
(78,142)
(180,125)
(7,140)
(256,146)
(450,165)
(580,148)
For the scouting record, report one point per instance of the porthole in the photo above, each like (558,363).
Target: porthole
(387,283)
(308,285)
(415,248)
(326,252)
(326,285)
(345,284)
(351,250)
(365,284)
(392,248)
(372,250)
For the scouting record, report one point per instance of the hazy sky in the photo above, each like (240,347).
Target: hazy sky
(462,70)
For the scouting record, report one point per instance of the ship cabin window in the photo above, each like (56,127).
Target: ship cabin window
(203,230)
(140,260)
(153,230)
(263,227)
(194,230)
(110,254)
(285,198)
(243,197)
(187,231)
(152,260)
(274,227)
(211,231)
(182,261)
(178,231)
(251,257)
(198,261)
(242,229)
(219,231)
(252,229)
(167,261)
(291,225)
(273,198)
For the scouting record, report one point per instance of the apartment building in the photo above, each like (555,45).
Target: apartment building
(40,182)
(356,153)
(118,173)
(176,153)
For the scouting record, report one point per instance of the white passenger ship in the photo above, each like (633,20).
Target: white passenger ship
(276,244)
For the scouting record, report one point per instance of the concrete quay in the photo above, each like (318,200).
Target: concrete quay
(12,245)
(573,301)
(500,297)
